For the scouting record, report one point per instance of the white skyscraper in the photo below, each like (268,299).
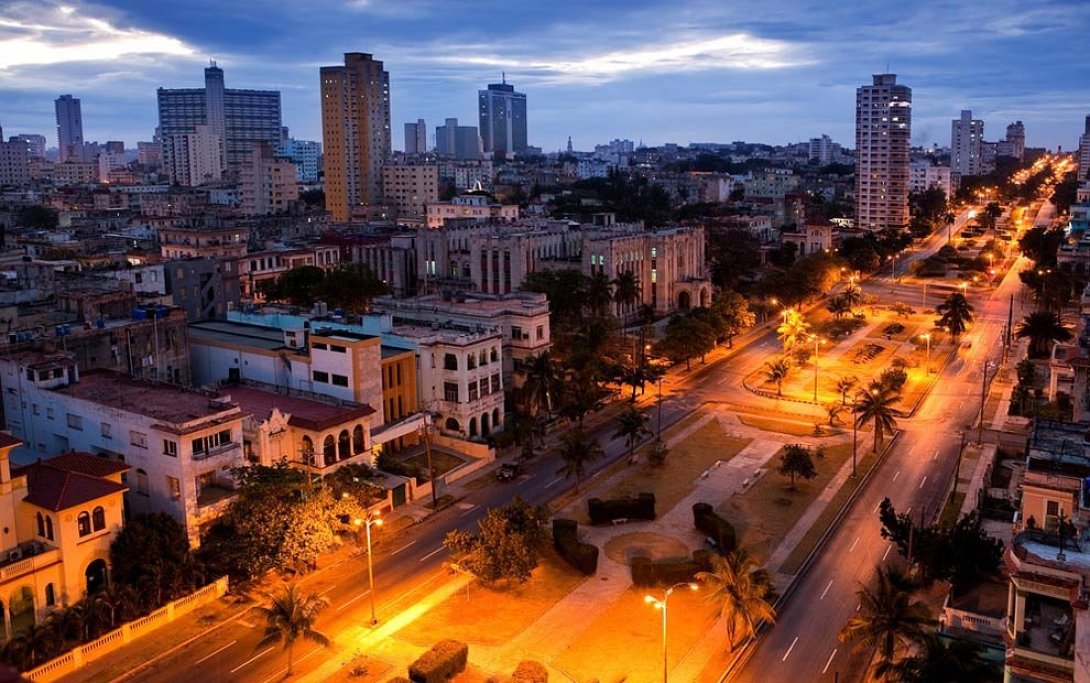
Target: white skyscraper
(69,128)
(966,145)
(196,158)
(416,137)
(883,127)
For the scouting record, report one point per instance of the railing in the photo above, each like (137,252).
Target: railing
(29,564)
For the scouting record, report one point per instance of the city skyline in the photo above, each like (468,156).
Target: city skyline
(717,74)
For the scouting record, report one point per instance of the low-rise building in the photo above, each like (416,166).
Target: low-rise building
(410,188)
(266,183)
(265,266)
(476,204)
(181,242)
(923,176)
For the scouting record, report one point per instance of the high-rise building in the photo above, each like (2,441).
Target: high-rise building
(502,114)
(966,145)
(416,137)
(883,127)
(355,132)
(267,182)
(35,144)
(1016,140)
(239,118)
(461,142)
(69,128)
(304,154)
(149,153)
(14,161)
(1084,151)
(195,158)
(410,187)
(821,149)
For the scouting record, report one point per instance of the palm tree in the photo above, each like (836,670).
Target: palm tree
(626,291)
(742,591)
(888,619)
(844,385)
(991,213)
(956,314)
(792,329)
(950,218)
(289,616)
(876,405)
(542,386)
(833,410)
(599,294)
(940,661)
(577,450)
(33,644)
(777,372)
(853,295)
(1042,327)
(838,306)
(632,425)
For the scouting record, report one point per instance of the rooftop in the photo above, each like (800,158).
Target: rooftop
(168,403)
(68,481)
(304,413)
(243,334)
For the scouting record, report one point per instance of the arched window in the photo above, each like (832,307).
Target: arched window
(98,519)
(329,451)
(49,527)
(494,354)
(495,416)
(485,431)
(50,595)
(83,523)
(357,439)
(344,445)
(452,425)
(473,426)
(96,576)
(307,451)
(41,524)
(482,357)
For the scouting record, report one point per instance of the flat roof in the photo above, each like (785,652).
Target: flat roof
(243,334)
(305,413)
(168,403)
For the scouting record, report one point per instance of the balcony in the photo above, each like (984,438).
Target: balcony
(26,558)
(216,451)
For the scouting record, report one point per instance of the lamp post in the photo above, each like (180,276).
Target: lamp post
(372,519)
(817,341)
(927,365)
(661,604)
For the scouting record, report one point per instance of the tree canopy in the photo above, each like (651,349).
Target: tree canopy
(507,544)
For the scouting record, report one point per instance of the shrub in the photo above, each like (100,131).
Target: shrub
(446,659)
(669,572)
(582,556)
(604,511)
(530,672)
(709,523)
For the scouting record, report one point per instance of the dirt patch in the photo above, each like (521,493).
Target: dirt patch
(362,669)
(444,462)
(790,427)
(655,546)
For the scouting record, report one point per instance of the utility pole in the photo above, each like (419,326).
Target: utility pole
(983,399)
(431,467)
(1010,321)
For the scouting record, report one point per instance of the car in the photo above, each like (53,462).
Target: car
(508,471)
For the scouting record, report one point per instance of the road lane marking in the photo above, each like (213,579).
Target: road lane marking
(785,655)
(433,553)
(251,659)
(877,505)
(886,554)
(935,456)
(896,474)
(213,654)
(829,662)
(553,482)
(913,449)
(854,543)
(923,481)
(826,590)
(352,600)
(322,594)
(403,547)
(468,510)
(961,406)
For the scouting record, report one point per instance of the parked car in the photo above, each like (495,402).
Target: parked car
(508,471)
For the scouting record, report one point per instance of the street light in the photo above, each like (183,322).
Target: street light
(372,519)
(927,365)
(661,604)
(817,341)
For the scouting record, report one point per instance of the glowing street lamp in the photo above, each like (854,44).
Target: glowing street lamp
(372,519)
(661,604)
(817,342)
(927,338)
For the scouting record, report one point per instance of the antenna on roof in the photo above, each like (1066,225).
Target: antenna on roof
(503,77)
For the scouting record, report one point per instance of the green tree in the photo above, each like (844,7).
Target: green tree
(875,405)
(990,215)
(300,286)
(777,373)
(889,619)
(632,425)
(577,450)
(685,338)
(743,593)
(565,290)
(37,216)
(940,660)
(956,314)
(735,255)
(626,291)
(838,306)
(1042,328)
(599,294)
(352,287)
(844,386)
(734,312)
(156,536)
(289,616)
(507,544)
(792,330)
(796,462)
(853,295)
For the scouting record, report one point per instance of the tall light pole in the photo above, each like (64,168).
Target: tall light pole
(659,430)
(927,365)
(817,341)
(855,430)
(661,604)
(372,519)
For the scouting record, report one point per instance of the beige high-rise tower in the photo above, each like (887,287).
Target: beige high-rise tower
(355,132)
(883,127)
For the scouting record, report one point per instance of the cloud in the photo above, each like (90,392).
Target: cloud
(37,34)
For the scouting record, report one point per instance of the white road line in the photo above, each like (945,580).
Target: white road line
(322,594)
(858,606)
(352,600)
(263,652)
(553,482)
(826,590)
(468,510)
(785,655)
(935,456)
(433,553)
(961,405)
(923,481)
(829,662)
(886,554)
(403,547)
(913,449)
(877,505)
(213,654)
(854,543)
(896,474)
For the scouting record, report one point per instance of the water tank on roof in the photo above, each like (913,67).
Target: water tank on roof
(139,314)
(161,311)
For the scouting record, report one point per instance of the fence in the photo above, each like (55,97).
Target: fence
(88,652)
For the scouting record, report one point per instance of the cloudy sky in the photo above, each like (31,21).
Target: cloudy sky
(681,71)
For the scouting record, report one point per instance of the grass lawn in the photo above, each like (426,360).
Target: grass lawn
(790,427)
(444,462)
(493,616)
(685,462)
(362,669)
(624,642)
(763,515)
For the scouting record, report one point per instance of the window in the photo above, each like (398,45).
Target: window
(337,349)
(495,383)
(50,595)
(75,422)
(340,381)
(41,524)
(83,524)
(175,488)
(450,362)
(30,374)
(494,354)
(473,391)
(540,332)
(142,482)
(318,345)
(322,377)
(484,386)
(49,527)
(37,411)
(106,430)
(138,439)
(170,448)
(516,332)
(450,391)
(205,445)
(98,519)
(49,412)
(471,361)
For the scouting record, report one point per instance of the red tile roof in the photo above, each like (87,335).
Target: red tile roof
(66,482)
(85,463)
(305,413)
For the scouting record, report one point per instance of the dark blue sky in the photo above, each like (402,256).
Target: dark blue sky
(658,70)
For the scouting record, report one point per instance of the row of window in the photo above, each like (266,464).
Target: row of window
(322,346)
(327,378)
(174,486)
(486,386)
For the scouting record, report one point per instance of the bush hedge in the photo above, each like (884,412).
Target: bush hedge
(445,660)
(718,529)
(605,511)
(530,671)
(581,556)
(668,572)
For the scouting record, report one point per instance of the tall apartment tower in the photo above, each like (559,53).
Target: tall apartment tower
(966,145)
(355,132)
(1016,140)
(503,119)
(883,126)
(195,158)
(1084,151)
(416,137)
(69,128)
